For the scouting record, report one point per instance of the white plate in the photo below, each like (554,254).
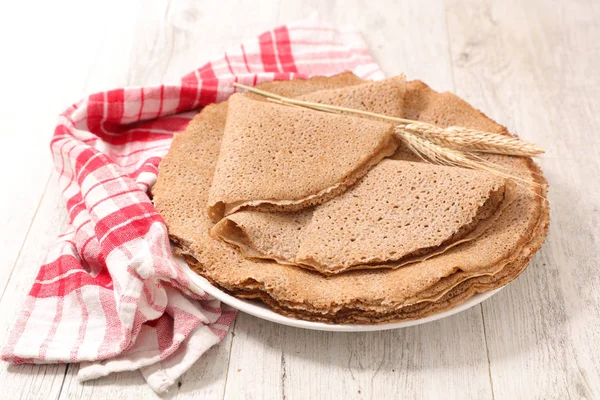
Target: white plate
(260,310)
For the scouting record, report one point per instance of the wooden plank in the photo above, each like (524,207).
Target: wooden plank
(443,359)
(159,41)
(47,73)
(534,68)
(31,381)
(402,37)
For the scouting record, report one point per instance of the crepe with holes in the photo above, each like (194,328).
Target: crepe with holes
(401,212)
(277,157)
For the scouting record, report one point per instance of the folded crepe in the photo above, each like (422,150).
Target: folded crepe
(365,296)
(276,157)
(399,213)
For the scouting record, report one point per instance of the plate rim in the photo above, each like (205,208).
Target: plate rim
(261,310)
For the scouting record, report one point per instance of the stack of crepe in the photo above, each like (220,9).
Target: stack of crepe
(328,217)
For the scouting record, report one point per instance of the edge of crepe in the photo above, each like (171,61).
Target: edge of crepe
(247,250)
(386,148)
(508,196)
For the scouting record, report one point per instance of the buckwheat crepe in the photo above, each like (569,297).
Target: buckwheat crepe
(401,212)
(491,260)
(287,158)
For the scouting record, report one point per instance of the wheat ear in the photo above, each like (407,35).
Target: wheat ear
(436,154)
(456,137)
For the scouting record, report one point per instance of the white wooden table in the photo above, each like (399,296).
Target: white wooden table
(533,66)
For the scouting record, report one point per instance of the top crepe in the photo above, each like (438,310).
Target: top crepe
(278,157)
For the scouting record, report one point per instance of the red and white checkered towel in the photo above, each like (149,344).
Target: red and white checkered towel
(109,294)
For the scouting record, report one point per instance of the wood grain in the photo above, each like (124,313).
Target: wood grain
(517,62)
(531,66)
(27,129)
(32,381)
(414,362)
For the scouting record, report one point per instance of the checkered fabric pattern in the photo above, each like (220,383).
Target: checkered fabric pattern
(109,294)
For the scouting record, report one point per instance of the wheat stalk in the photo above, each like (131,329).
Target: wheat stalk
(456,137)
(453,137)
(436,154)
